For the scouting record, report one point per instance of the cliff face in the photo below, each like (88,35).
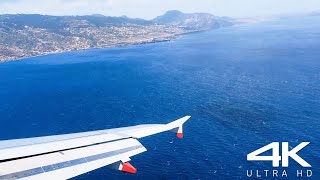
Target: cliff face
(30,35)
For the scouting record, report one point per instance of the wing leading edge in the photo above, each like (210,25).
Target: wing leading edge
(70,155)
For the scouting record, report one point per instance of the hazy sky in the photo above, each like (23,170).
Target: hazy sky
(151,8)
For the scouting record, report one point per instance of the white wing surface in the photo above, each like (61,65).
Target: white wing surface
(70,155)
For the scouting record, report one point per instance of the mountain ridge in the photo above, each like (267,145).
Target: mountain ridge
(201,21)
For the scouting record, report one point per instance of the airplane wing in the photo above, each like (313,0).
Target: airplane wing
(69,155)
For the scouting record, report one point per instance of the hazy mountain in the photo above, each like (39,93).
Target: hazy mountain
(199,21)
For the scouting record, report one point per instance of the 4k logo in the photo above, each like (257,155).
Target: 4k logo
(276,158)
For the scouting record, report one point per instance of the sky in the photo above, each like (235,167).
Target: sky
(149,9)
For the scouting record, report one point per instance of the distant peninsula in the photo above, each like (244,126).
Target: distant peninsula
(28,35)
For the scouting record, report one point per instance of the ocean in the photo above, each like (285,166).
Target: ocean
(244,86)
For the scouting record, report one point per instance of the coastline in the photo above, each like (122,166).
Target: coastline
(28,39)
(154,40)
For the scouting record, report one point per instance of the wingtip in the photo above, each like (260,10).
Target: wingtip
(179,122)
(185,118)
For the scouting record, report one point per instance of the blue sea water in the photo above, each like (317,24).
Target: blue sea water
(244,86)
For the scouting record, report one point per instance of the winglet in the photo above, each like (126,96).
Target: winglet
(179,135)
(177,125)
